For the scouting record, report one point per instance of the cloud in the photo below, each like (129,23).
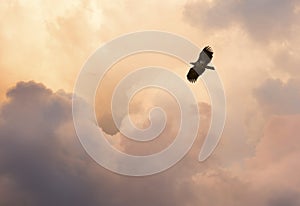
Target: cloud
(288,199)
(286,60)
(45,168)
(43,163)
(276,97)
(263,20)
(278,142)
(270,177)
(275,166)
(53,40)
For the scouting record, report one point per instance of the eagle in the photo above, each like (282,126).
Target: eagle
(201,64)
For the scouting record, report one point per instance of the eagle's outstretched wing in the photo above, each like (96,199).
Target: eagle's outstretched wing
(206,55)
(192,76)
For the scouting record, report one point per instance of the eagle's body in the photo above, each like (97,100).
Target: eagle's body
(201,64)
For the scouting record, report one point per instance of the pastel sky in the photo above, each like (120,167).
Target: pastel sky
(43,47)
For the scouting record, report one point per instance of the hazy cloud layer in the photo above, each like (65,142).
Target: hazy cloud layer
(42,163)
(263,20)
(277,97)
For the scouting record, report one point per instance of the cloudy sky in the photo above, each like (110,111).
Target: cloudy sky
(43,47)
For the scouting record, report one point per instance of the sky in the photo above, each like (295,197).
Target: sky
(44,45)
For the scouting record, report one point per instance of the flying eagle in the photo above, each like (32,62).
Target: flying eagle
(201,64)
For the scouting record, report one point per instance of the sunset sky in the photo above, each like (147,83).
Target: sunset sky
(45,43)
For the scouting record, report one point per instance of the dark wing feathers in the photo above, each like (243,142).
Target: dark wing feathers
(205,55)
(192,76)
(208,51)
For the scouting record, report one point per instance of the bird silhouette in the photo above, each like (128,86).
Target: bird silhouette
(201,64)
